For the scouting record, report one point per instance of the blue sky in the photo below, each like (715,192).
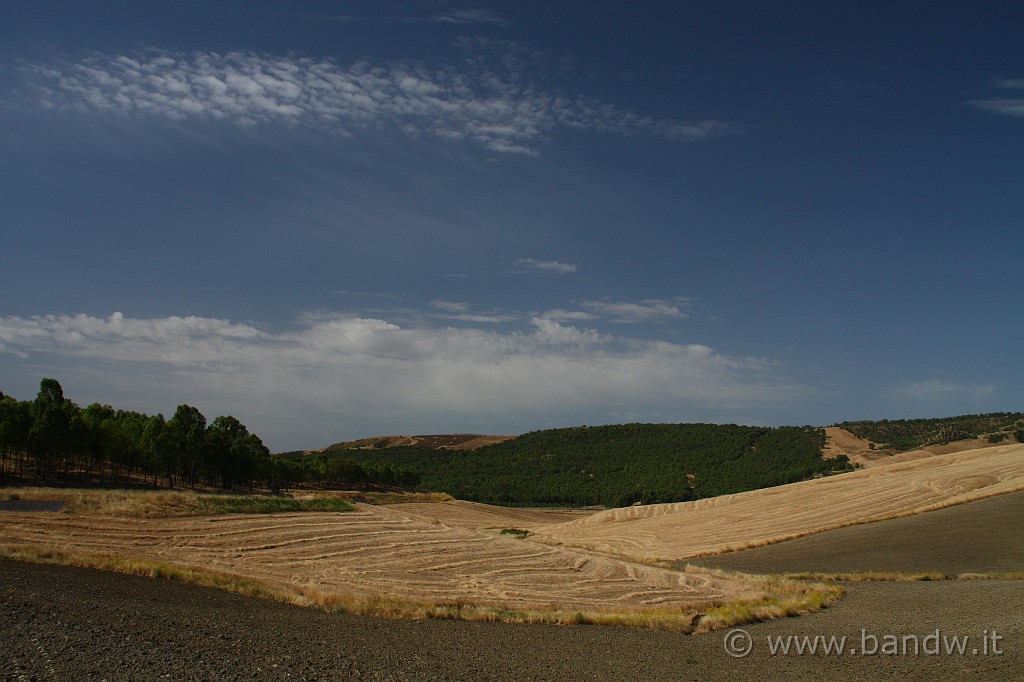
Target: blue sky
(342,219)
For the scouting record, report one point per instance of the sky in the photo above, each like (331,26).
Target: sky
(335,220)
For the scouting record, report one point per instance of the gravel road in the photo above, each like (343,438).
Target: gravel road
(61,623)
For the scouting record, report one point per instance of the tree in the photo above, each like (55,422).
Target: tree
(98,421)
(15,423)
(49,435)
(187,436)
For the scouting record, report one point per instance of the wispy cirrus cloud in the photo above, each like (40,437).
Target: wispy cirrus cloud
(647,310)
(457,16)
(384,376)
(931,390)
(546,266)
(1008,106)
(487,100)
(464,312)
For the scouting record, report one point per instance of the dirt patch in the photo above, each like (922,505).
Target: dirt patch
(977,537)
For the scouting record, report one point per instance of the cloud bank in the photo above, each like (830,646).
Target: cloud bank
(359,376)
(495,105)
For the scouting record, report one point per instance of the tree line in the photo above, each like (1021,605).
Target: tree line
(53,440)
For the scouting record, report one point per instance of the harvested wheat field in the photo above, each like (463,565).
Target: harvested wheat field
(380,559)
(760,517)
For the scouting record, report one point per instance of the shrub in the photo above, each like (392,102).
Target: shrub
(518,532)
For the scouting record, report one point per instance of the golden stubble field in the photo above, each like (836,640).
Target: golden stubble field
(450,558)
(759,517)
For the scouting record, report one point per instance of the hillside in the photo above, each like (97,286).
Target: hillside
(612,466)
(450,441)
(901,435)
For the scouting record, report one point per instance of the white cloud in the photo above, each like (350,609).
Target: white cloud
(562,314)
(455,310)
(450,306)
(372,375)
(1008,106)
(1005,106)
(487,101)
(547,265)
(649,310)
(1009,83)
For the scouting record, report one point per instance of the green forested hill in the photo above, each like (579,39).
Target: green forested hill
(906,434)
(615,465)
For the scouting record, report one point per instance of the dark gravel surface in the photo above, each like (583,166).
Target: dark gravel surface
(60,623)
(986,536)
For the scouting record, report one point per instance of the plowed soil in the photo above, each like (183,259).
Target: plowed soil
(978,537)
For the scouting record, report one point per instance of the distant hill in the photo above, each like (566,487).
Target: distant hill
(906,434)
(613,466)
(451,441)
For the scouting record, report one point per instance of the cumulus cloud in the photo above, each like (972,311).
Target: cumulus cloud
(547,266)
(1009,106)
(491,102)
(388,376)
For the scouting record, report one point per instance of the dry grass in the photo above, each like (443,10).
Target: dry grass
(761,517)
(396,497)
(144,504)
